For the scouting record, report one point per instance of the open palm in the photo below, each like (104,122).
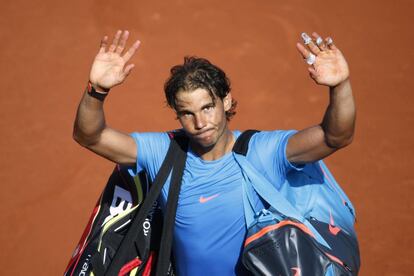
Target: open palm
(329,67)
(109,67)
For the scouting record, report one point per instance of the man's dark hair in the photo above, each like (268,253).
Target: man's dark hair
(197,73)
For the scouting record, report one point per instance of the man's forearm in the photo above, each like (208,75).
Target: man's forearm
(90,121)
(339,120)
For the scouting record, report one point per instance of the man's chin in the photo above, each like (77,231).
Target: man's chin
(202,144)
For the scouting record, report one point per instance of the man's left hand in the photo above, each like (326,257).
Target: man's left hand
(327,66)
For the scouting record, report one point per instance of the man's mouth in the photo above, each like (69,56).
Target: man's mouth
(204,133)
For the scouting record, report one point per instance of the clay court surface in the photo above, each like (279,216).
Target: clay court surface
(49,184)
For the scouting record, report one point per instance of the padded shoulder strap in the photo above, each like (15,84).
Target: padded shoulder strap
(242,143)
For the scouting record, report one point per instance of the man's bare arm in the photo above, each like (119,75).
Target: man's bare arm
(90,130)
(337,128)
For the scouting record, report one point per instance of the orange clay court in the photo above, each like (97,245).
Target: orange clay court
(49,184)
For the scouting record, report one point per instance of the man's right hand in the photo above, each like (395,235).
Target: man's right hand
(109,67)
(90,130)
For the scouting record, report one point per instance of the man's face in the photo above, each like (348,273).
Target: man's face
(203,119)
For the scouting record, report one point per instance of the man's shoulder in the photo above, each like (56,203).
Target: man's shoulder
(151,150)
(263,137)
(155,136)
(151,140)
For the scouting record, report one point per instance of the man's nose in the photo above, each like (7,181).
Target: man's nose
(199,121)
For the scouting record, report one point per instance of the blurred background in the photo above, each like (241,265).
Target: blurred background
(49,184)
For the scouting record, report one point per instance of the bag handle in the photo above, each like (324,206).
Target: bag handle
(140,216)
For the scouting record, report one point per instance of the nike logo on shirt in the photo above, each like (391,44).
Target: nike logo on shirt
(205,199)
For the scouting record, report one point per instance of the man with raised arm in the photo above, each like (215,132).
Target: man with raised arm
(210,226)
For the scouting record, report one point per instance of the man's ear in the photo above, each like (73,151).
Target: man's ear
(227,102)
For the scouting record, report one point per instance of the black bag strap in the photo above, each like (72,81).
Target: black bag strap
(164,254)
(242,143)
(174,152)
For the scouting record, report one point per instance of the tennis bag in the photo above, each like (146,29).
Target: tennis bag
(307,227)
(127,233)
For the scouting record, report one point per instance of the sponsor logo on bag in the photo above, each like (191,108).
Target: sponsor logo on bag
(85,266)
(121,202)
(146,225)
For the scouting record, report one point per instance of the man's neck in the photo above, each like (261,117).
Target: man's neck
(223,146)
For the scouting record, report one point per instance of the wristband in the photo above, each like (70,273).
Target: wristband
(95,94)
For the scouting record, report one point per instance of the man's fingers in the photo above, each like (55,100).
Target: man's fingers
(122,42)
(307,55)
(128,70)
(104,44)
(329,42)
(307,40)
(302,50)
(115,41)
(313,73)
(131,51)
(319,41)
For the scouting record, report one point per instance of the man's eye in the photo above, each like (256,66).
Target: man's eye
(208,108)
(185,115)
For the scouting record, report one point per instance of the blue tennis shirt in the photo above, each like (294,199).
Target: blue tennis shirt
(210,226)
